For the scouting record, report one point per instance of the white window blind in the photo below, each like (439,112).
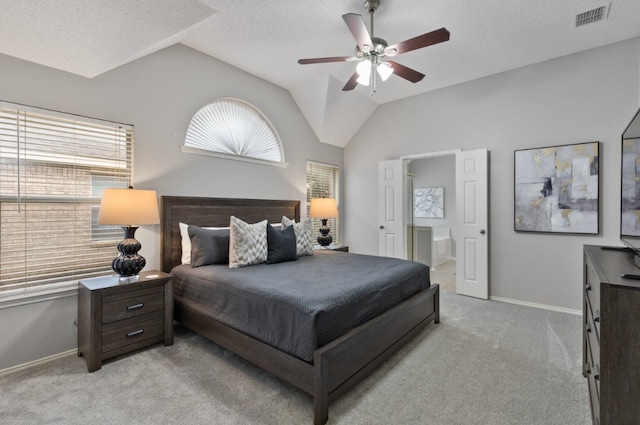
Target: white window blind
(234,129)
(323,182)
(53,169)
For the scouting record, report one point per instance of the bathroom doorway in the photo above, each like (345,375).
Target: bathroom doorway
(431,216)
(471,212)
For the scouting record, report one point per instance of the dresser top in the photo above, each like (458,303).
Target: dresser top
(612,263)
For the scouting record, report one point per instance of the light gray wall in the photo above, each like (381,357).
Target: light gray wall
(583,97)
(589,96)
(158,94)
(438,172)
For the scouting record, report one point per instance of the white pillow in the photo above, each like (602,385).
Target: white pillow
(304,235)
(186,241)
(248,243)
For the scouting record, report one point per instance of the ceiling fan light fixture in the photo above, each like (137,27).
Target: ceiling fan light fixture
(384,70)
(371,51)
(364,72)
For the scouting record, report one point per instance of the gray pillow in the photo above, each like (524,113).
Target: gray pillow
(281,245)
(208,246)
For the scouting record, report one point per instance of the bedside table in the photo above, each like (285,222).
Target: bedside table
(117,316)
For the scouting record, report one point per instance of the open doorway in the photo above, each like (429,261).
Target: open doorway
(472,215)
(431,216)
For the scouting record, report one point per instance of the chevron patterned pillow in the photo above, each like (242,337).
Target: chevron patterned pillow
(248,243)
(304,235)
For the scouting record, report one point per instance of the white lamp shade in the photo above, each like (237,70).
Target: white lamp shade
(323,208)
(385,70)
(364,72)
(128,207)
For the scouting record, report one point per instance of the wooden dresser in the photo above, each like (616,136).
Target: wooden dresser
(117,316)
(611,341)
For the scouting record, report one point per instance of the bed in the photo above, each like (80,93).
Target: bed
(336,359)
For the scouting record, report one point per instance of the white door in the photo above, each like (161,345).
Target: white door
(390,212)
(472,249)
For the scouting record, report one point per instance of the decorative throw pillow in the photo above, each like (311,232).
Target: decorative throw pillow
(186,241)
(248,243)
(304,235)
(281,245)
(209,246)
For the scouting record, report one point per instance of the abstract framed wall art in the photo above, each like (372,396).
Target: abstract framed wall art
(557,189)
(428,202)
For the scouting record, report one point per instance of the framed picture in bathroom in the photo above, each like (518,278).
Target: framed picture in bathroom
(556,189)
(428,202)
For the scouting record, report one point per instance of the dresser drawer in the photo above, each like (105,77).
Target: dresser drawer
(592,287)
(132,304)
(119,334)
(592,341)
(592,323)
(593,363)
(594,394)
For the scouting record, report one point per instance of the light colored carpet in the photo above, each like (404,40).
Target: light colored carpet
(486,363)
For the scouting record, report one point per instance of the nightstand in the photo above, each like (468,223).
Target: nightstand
(117,316)
(343,248)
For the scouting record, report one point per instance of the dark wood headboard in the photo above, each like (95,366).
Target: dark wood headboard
(213,212)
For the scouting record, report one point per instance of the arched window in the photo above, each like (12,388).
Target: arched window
(234,129)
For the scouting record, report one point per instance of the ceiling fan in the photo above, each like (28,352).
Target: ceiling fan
(371,52)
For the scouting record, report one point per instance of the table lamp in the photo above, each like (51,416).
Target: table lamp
(324,208)
(128,208)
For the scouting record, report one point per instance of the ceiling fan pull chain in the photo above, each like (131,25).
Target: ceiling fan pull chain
(374,60)
(372,78)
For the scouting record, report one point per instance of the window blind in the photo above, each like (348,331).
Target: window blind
(323,182)
(53,169)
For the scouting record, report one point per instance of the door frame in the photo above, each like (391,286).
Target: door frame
(406,159)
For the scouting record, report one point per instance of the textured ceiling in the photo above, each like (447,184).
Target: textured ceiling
(266,38)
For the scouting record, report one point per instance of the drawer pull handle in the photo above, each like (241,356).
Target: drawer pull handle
(588,286)
(134,333)
(596,319)
(135,306)
(588,328)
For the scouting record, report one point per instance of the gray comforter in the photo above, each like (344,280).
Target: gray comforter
(298,306)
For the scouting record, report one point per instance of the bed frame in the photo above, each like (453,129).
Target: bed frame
(338,365)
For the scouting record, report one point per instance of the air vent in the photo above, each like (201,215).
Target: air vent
(593,15)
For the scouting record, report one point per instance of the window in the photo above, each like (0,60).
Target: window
(53,168)
(234,129)
(104,232)
(323,182)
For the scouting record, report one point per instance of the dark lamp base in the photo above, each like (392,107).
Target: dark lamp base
(129,262)
(325,238)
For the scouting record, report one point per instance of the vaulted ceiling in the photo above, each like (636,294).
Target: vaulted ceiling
(266,38)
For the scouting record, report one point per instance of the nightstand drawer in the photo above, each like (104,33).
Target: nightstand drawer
(119,334)
(132,304)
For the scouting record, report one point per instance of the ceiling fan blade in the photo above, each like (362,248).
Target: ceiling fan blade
(324,60)
(405,72)
(352,83)
(359,30)
(424,40)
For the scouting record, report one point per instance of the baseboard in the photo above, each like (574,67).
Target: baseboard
(38,362)
(535,305)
